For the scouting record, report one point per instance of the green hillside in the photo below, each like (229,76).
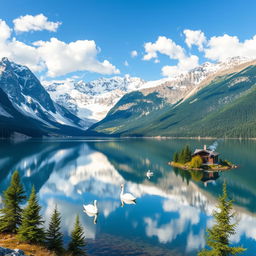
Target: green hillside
(225,107)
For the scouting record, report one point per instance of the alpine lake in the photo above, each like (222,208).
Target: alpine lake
(173,208)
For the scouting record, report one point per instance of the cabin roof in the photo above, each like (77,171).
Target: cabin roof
(211,153)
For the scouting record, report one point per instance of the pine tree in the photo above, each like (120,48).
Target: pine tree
(77,242)
(176,157)
(54,237)
(10,218)
(218,235)
(187,154)
(31,229)
(182,156)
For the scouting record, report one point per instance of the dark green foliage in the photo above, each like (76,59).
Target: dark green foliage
(31,229)
(218,235)
(187,154)
(225,163)
(183,156)
(12,198)
(176,157)
(54,237)
(77,243)
(226,107)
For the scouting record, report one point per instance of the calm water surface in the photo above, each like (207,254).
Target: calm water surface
(173,208)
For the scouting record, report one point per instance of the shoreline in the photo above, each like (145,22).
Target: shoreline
(105,138)
(214,169)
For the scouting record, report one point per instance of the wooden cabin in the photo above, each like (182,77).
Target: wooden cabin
(208,156)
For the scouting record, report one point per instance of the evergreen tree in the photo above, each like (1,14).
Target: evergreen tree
(182,156)
(54,237)
(218,235)
(10,218)
(31,229)
(77,242)
(176,157)
(187,154)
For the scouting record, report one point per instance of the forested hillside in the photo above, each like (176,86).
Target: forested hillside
(224,108)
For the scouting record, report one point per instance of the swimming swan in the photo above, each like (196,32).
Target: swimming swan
(126,196)
(149,174)
(127,202)
(91,209)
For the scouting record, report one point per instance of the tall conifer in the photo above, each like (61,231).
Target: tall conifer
(54,237)
(187,154)
(176,157)
(31,229)
(77,243)
(10,218)
(219,234)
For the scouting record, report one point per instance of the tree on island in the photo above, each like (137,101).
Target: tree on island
(31,229)
(196,162)
(13,196)
(176,157)
(77,243)
(54,237)
(187,154)
(183,156)
(218,235)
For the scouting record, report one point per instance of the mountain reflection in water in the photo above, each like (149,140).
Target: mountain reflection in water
(173,208)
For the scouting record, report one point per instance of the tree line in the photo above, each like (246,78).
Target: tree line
(27,223)
(185,157)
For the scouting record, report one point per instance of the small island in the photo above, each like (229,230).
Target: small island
(201,159)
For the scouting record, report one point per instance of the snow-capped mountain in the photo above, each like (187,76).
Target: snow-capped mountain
(28,99)
(147,108)
(94,99)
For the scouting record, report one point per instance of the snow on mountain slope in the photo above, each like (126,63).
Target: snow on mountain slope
(30,99)
(93,100)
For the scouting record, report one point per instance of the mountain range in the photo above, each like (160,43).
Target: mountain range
(26,108)
(214,99)
(219,104)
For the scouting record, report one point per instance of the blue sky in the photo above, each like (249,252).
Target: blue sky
(119,27)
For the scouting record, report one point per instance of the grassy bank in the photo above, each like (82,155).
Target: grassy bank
(213,167)
(11,242)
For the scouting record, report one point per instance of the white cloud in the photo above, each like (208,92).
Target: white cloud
(61,58)
(223,47)
(5,31)
(195,37)
(55,57)
(183,65)
(167,47)
(24,54)
(164,46)
(16,50)
(134,53)
(126,63)
(34,23)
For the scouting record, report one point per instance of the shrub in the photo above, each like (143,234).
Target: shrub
(196,162)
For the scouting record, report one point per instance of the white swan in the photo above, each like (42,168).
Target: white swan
(126,196)
(149,174)
(91,209)
(127,202)
(95,215)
